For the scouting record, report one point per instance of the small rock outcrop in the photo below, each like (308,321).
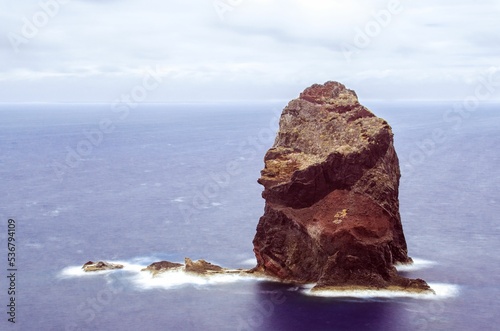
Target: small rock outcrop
(331,184)
(199,267)
(100,266)
(162,266)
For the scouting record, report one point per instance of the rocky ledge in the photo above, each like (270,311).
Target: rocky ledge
(162,266)
(200,267)
(331,185)
(100,266)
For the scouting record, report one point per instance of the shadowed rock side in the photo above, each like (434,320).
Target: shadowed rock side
(331,188)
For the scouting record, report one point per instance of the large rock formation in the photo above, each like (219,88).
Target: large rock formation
(331,189)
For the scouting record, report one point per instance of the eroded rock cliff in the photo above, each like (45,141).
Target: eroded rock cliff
(331,188)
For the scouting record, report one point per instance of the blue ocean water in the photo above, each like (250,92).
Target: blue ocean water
(164,182)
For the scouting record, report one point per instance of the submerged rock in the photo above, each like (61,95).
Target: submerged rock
(331,184)
(100,266)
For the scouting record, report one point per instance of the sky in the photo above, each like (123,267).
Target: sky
(246,50)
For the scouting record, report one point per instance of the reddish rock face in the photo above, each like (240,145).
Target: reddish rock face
(331,187)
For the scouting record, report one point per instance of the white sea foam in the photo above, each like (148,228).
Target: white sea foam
(443,291)
(71,272)
(177,278)
(77,271)
(418,264)
(144,280)
(249,262)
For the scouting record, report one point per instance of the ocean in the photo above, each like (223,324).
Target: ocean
(158,182)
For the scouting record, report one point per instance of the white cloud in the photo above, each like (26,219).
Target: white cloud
(95,50)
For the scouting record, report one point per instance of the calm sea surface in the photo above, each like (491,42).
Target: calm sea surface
(164,182)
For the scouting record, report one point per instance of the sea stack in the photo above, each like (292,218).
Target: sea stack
(331,184)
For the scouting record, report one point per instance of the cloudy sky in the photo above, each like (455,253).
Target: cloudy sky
(213,50)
